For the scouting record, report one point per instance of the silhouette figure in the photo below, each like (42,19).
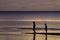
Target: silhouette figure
(34,27)
(46,31)
(34,34)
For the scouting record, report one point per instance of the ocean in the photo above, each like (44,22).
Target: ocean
(12,25)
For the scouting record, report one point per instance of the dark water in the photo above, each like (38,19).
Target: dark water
(10,22)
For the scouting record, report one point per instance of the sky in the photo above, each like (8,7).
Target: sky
(29,5)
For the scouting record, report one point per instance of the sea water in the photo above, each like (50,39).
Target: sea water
(14,33)
(11,22)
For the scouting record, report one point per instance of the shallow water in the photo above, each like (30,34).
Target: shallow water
(12,33)
(22,36)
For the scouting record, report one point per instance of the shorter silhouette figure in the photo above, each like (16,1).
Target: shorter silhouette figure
(46,31)
(34,27)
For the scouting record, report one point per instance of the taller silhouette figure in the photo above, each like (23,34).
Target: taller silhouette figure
(34,34)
